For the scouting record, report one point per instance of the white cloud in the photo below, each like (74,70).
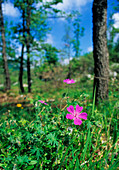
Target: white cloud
(116,37)
(49,39)
(69,4)
(116,20)
(90,49)
(47,1)
(10,10)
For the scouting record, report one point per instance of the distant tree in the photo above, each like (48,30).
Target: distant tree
(30,34)
(5,63)
(113,31)
(72,38)
(20,30)
(51,53)
(28,41)
(22,51)
(78,33)
(33,31)
(100,53)
(68,44)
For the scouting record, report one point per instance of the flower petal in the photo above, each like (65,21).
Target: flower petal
(78,108)
(72,81)
(83,116)
(77,121)
(70,109)
(69,116)
(66,80)
(41,101)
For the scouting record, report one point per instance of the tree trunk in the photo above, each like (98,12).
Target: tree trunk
(21,70)
(5,64)
(28,45)
(22,55)
(100,53)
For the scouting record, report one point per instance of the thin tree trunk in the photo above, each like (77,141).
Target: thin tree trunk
(28,45)
(5,64)
(100,53)
(21,70)
(22,55)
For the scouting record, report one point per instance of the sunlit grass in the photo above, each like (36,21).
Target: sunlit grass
(39,136)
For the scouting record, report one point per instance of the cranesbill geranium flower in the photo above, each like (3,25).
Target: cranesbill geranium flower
(42,102)
(76,115)
(68,81)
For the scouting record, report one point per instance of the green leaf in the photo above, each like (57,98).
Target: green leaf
(33,162)
(30,167)
(1,164)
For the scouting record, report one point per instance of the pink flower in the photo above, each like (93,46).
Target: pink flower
(42,102)
(68,81)
(76,115)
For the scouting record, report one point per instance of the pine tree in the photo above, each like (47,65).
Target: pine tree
(78,33)
(34,28)
(100,53)
(5,62)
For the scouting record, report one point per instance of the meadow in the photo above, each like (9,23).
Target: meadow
(35,133)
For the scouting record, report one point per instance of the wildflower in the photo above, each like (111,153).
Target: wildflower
(70,129)
(68,81)
(76,115)
(19,105)
(42,102)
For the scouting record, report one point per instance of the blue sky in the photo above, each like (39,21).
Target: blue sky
(85,9)
(86,22)
(58,25)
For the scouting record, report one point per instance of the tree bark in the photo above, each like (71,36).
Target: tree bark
(100,53)
(22,55)
(28,45)
(21,70)
(5,63)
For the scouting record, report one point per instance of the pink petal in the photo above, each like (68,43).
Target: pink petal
(66,80)
(77,121)
(70,109)
(78,108)
(41,101)
(83,116)
(72,81)
(69,116)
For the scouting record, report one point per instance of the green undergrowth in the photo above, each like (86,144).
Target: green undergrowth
(36,136)
(40,137)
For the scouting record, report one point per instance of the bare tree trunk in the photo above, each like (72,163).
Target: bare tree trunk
(28,45)
(21,70)
(5,64)
(100,53)
(22,55)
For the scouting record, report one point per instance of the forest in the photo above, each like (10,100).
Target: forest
(59,107)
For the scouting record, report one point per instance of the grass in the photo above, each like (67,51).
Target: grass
(38,136)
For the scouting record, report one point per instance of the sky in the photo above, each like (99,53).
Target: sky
(58,25)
